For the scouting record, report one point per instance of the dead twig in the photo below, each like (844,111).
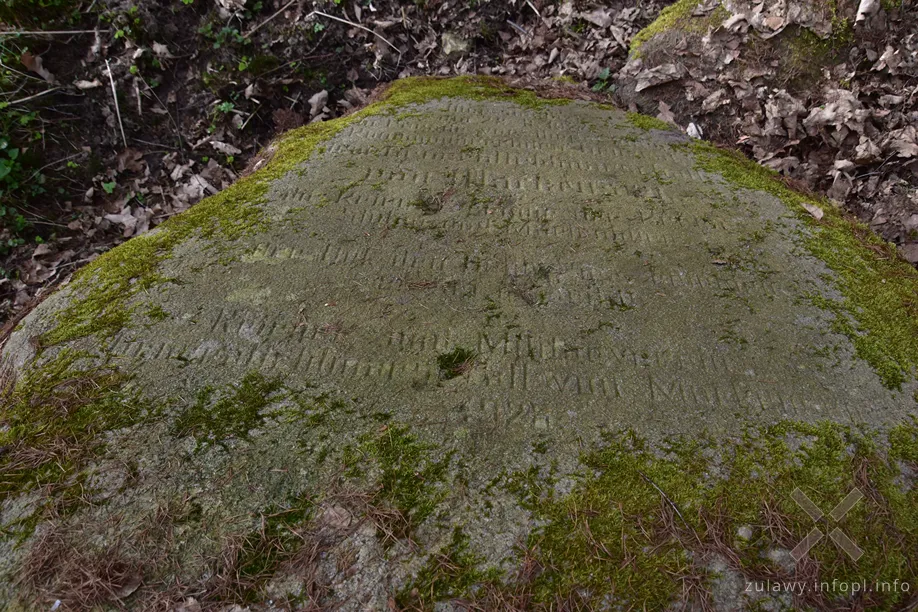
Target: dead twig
(327,16)
(49,32)
(32,97)
(278,12)
(358,26)
(519,29)
(111,79)
(666,497)
(178,131)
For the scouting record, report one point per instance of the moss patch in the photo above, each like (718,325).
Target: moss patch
(647,123)
(678,16)
(52,417)
(879,312)
(627,525)
(410,478)
(51,426)
(281,533)
(643,523)
(449,573)
(232,416)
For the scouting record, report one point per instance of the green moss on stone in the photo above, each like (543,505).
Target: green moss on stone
(606,537)
(455,363)
(678,16)
(277,539)
(449,573)
(52,419)
(231,416)
(641,518)
(410,477)
(156,313)
(878,311)
(647,123)
(420,90)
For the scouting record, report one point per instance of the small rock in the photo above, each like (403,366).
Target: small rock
(910,252)
(744,532)
(781,557)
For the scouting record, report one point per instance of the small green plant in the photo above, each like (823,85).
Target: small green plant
(602,81)
(42,13)
(109,187)
(18,182)
(223,36)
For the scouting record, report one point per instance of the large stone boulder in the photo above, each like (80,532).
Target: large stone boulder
(467,345)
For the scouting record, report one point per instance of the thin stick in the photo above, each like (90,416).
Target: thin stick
(356,25)
(665,496)
(279,11)
(54,163)
(321,14)
(250,118)
(49,32)
(519,29)
(178,132)
(117,109)
(28,76)
(47,91)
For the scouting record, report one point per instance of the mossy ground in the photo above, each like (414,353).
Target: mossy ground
(52,423)
(52,417)
(647,123)
(410,477)
(449,573)
(643,522)
(638,525)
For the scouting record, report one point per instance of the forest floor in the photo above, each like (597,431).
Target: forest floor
(116,115)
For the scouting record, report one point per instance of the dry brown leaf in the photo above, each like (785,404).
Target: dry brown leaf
(33,63)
